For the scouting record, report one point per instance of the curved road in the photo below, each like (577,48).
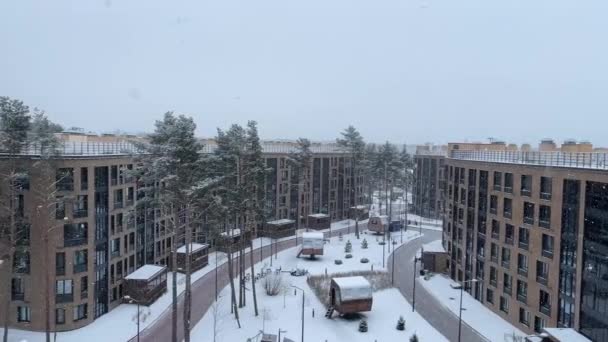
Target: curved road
(440,317)
(203,292)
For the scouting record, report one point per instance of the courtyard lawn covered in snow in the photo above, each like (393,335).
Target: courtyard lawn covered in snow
(283,311)
(475,314)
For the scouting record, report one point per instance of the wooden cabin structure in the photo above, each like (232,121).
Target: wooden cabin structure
(348,295)
(146,284)
(312,244)
(319,221)
(199,257)
(232,240)
(279,228)
(378,224)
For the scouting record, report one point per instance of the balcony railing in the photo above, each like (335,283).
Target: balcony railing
(507,290)
(545,196)
(509,240)
(80,268)
(545,309)
(547,253)
(522,271)
(17,296)
(544,224)
(80,213)
(64,298)
(506,264)
(507,214)
(118,205)
(75,242)
(497,187)
(542,279)
(588,160)
(522,298)
(509,189)
(529,220)
(493,211)
(523,244)
(526,192)
(494,259)
(493,282)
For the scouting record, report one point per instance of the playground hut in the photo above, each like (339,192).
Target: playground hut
(280,228)
(231,239)
(434,257)
(348,295)
(146,284)
(319,221)
(378,224)
(359,211)
(312,244)
(199,257)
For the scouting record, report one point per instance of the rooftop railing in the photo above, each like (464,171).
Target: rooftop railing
(70,149)
(586,160)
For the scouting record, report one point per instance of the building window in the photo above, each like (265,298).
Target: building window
(64,179)
(118,199)
(24,314)
(75,234)
(84,178)
(507,284)
(495,229)
(548,243)
(544,216)
(493,204)
(60,263)
(524,317)
(59,208)
(528,213)
(506,257)
(490,296)
(546,188)
(59,316)
(526,185)
(542,272)
(504,304)
(509,234)
(524,238)
(544,302)
(539,324)
(64,291)
(80,312)
(115,247)
(522,291)
(508,208)
(84,287)
(21,262)
(522,264)
(81,206)
(80,261)
(493,276)
(497,181)
(494,252)
(17,289)
(509,182)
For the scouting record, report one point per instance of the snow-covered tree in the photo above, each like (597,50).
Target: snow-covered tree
(299,162)
(353,142)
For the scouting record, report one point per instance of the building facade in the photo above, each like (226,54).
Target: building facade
(81,232)
(526,233)
(429,181)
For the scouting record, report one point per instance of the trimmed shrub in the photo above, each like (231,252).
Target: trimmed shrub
(348,256)
(338,262)
(401,323)
(363,326)
(364,260)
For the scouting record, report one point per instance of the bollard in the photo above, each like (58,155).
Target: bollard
(372,267)
(326,271)
(313,313)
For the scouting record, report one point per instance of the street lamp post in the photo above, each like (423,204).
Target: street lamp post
(131,300)
(302,310)
(460,310)
(414,277)
(281,331)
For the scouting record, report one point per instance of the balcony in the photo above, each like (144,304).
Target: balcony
(544,224)
(528,220)
(523,244)
(17,296)
(509,240)
(506,264)
(115,254)
(526,192)
(64,298)
(522,298)
(80,213)
(493,282)
(497,187)
(542,279)
(547,253)
(507,214)
(545,196)
(522,271)
(493,211)
(545,309)
(80,268)
(65,185)
(75,242)
(494,258)
(495,235)
(507,290)
(509,189)
(129,202)
(60,271)
(118,205)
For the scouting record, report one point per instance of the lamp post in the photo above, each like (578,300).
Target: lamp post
(414,277)
(281,331)
(460,310)
(131,300)
(302,310)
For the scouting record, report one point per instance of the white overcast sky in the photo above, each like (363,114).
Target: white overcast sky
(402,70)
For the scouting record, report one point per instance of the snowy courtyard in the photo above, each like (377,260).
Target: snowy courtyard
(283,311)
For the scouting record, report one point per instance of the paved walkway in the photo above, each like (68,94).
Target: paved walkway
(203,291)
(440,317)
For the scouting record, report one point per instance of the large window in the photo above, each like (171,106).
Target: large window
(526,185)
(524,317)
(507,284)
(75,234)
(21,262)
(60,316)
(547,246)
(544,302)
(509,234)
(546,188)
(64,291)
(60,263)
(80,312)
(80,261)
(81,206)
(504,304)
(493,204)
(522,264)
(542,272)
(524,238)
(17,289)
(64,179)
(506,257)
(24,314)
(544,216)
(509,182)
(522,291)
(508,208)
(528,213)
(497,181)
(495,229)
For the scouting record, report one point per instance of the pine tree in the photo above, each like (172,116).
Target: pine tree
(363,326)
(364,244)
(299,161)
(401,323)
(348,247)
(414,338)
(353,142)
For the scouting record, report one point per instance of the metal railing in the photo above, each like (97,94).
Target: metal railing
(588,160)
(69,148)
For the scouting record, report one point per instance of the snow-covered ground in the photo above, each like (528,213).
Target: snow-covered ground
(475,314)
(284,311)
(121,321)
(399,213)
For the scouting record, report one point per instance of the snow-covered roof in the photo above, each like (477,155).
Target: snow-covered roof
(318,215)
(281,222)
(146,272)
(313,235)
(433,247)
(360,206)
(353,288)
(194,247)
(566,335)
(232,232)
(383,218)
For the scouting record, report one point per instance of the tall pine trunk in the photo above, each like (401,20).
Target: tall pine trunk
(187,292)
(232,290)
(255,299)
(11,252)
(174,281)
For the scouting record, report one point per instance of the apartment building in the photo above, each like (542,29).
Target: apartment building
(526,232)
(77,252)
(429,181)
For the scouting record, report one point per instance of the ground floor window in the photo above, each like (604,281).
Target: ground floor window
(59,316)
(504,304)
(80,312)
(23,314)
(524,317)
